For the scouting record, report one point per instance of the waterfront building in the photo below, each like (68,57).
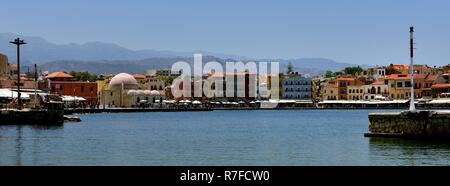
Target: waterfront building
(123,90)
(377,90)
(355,92)
(423,84)
(242,90)
(61,83)
(399,85)
(343,83)
(295,86)
(331,91)
(441,90)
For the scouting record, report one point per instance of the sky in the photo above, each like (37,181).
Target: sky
(360,32)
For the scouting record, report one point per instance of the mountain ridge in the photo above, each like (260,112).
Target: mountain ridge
(95,54)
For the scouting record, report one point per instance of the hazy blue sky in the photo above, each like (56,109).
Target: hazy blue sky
(364,32)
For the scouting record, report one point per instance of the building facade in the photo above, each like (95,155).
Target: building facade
(64,84)
(295,86)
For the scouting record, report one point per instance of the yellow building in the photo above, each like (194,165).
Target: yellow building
(123,90)
(355,92)
(331,91)
(399,86)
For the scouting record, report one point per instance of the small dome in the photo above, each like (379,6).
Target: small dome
(147,92)
(132,92)
(154,92)
(140,92)
(127,80)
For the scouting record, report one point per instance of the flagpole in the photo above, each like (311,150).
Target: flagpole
(412,108)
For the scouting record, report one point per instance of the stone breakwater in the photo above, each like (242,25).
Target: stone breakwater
(410,124)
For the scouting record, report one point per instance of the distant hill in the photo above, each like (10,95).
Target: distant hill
(105,58)
(310,66)
(40,51)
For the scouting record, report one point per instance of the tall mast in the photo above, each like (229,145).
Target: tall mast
(412,108)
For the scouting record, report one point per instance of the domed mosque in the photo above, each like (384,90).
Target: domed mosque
(124,91)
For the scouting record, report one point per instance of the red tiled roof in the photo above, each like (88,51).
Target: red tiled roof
(378,83)
(406,76)
(401,67)
(345,79)
(58,75)
(138,76)
(441,85)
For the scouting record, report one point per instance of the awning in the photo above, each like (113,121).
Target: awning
(6,93)
(440,101)
(72,98)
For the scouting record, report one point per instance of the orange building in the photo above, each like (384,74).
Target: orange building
(399,85)
(343,83)
(64,84)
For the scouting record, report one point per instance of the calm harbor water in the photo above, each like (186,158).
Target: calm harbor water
(290,137)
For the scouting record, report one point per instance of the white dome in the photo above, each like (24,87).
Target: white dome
(127,80)
(154,92)
(132,92)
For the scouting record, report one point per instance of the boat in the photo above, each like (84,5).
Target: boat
(53,114)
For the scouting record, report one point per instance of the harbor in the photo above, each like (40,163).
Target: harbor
(222,138)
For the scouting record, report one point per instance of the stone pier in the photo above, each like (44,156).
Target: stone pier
(428,124)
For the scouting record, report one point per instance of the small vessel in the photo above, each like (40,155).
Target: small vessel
(53,114)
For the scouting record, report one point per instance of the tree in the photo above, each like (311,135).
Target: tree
(83,76)
(353,70)
(329,74)
(290,68)
(166,79)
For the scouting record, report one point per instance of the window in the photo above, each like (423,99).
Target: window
(82,88)
(399,84)
(92,89)
(407,84)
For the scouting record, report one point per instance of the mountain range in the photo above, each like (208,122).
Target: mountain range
(106,58)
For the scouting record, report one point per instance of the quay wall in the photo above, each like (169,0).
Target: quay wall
(412,124)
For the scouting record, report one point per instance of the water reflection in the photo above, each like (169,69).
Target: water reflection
(395,151)
(19,148)
(15,141)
